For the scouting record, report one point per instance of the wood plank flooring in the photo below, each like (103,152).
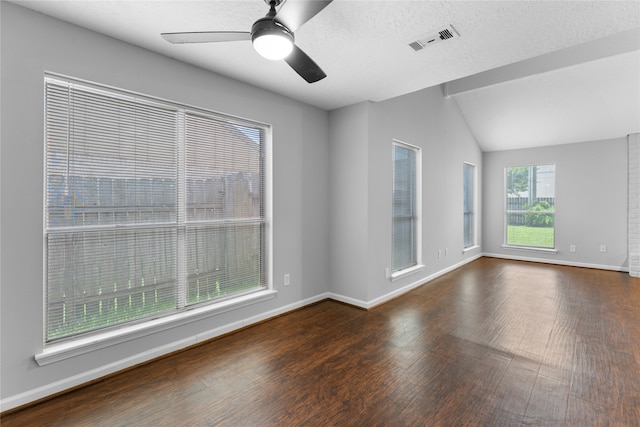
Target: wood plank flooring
(494,343)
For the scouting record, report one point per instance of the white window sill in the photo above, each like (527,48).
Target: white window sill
(531,249)
(470,248)
(407,271)
(65,350)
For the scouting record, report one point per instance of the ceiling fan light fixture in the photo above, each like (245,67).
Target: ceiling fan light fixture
(273,46)
(271,39)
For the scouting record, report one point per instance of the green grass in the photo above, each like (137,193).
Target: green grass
(112,311)
(539,237)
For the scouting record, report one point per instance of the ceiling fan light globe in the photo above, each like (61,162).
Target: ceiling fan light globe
(273,45)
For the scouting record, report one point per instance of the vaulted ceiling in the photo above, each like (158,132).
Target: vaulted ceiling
(509,69)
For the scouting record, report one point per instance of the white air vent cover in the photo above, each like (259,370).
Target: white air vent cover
(433,37)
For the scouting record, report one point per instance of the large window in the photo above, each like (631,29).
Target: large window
(530,206)
(406,207)
(151,208)
(469,214)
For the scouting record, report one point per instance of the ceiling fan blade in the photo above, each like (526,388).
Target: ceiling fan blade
(206,36)
(294,13)
(304,65)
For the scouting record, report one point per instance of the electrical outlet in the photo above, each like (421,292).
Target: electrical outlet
(572,248)
(387,272)
(287,279)
(439,253)
(603,248)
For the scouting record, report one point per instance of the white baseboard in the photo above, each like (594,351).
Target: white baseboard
(558,262)
(85,377)
(393,294)
(348,300)
(47,390)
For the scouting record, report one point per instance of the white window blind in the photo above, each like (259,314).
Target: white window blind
(469,173)
(150,208)
(405,207)
(224,207)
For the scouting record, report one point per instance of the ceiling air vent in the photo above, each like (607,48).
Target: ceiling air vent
(434,37)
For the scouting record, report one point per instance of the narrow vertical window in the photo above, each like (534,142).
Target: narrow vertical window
(469,214)
(530,206)
(151,208)
(406,207)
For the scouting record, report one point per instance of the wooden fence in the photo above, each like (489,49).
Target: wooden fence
(98,277)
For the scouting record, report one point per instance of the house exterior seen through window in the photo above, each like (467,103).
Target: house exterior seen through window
(530,206)
(151,208)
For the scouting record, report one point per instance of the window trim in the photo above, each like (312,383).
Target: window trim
(474,209)
(406,271)
(63,350)
(509,246)
(83,343)
(530,248)
(396,274)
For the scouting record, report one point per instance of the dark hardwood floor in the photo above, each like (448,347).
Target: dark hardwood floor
(494,343)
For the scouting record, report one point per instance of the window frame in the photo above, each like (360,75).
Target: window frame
(473,211)
(416,216)
(507,211)
(73,345)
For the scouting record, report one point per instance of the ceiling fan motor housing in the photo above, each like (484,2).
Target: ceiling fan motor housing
(268,26)
(271,39)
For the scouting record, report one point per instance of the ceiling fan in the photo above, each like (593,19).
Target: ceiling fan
(272,36)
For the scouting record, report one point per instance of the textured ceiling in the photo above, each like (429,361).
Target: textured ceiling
(361,44)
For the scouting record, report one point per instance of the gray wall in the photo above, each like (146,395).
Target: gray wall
(349,233)
(360,145)
(33,43)
(591,202)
